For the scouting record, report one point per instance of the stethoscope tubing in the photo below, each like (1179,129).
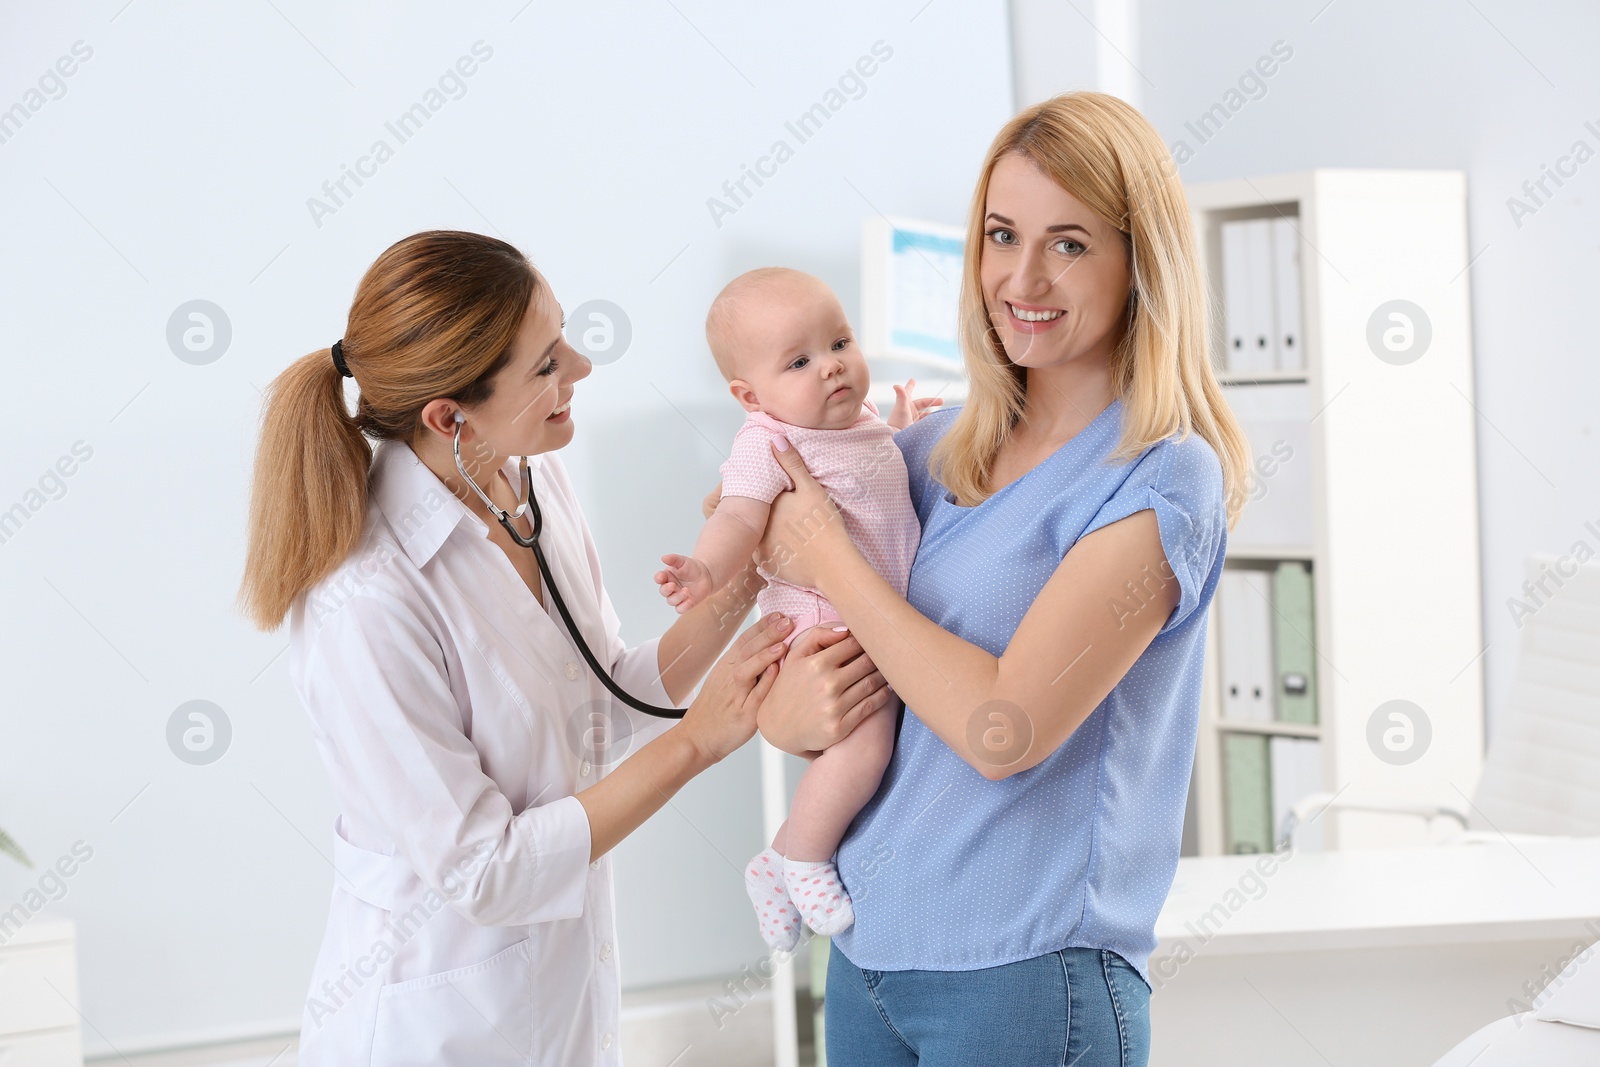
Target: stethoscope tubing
(529,503)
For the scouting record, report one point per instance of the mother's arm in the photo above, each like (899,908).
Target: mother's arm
(1102,607)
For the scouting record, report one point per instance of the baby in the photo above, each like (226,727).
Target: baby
(781,340)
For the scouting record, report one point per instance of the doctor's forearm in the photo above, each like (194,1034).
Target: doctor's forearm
(692,644)
(640,785)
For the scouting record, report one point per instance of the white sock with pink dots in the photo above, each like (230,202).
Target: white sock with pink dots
(775,912)
(819,896)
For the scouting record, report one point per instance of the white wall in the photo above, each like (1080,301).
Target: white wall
(1060,47)
(1495,89)
(177,165)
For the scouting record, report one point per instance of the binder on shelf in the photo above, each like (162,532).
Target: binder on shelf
(1247,792)
(1263,779)
(1293,643)
(1235,296)
(1244,613)
(1286,294)
(1263,334)
(1261,296)
(1295,771)
(1247,296)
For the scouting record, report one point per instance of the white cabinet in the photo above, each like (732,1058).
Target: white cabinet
(39,995)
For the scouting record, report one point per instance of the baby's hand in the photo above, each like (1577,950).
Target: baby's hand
(906,410)
(685,582)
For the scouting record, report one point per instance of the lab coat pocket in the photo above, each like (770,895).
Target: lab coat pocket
(482,1015)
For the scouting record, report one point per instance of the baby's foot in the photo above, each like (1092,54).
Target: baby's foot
(819,896)
(775,912)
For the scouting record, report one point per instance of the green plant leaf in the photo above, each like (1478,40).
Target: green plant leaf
(14,850)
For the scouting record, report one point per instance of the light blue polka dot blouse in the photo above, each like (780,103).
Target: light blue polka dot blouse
(950,871)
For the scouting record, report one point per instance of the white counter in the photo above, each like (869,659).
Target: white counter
(1364,957)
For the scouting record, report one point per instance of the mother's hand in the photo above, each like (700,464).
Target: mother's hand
(804,529)
(825,688)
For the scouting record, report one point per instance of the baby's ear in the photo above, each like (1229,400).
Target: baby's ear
(744,394)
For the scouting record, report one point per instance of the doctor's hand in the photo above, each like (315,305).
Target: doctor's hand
(723,715)
(826,688)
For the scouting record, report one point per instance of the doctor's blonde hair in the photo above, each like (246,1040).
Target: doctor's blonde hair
(434,316)
(1106,154)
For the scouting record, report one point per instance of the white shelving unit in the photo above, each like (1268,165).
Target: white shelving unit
(1391,481)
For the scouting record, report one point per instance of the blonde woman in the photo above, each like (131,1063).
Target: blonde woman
(1007,875)
(476,762)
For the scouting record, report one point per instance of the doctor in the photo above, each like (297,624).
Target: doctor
(475,760)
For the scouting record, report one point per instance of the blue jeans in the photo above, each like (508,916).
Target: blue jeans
(1078,1007)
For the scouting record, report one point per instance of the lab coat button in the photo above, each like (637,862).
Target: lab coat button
(584,768)
(605,1042)
(572,672)
(605,951)
(595,866)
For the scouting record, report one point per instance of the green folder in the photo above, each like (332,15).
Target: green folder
(1247,781)
(1295,658)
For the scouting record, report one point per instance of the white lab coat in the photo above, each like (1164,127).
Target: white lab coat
(457,721)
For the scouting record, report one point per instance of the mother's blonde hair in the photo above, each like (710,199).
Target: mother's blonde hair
(1106,154)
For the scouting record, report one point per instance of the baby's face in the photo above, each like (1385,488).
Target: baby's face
(797,358)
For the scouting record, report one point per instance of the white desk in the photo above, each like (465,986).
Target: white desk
(1377,957)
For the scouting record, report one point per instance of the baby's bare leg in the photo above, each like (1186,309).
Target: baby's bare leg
(795,880)
(836,786)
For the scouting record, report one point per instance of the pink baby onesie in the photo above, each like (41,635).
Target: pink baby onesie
(863,471)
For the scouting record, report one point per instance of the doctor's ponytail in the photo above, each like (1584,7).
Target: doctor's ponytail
(434,316)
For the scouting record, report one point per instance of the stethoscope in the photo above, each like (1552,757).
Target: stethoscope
(505,517)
